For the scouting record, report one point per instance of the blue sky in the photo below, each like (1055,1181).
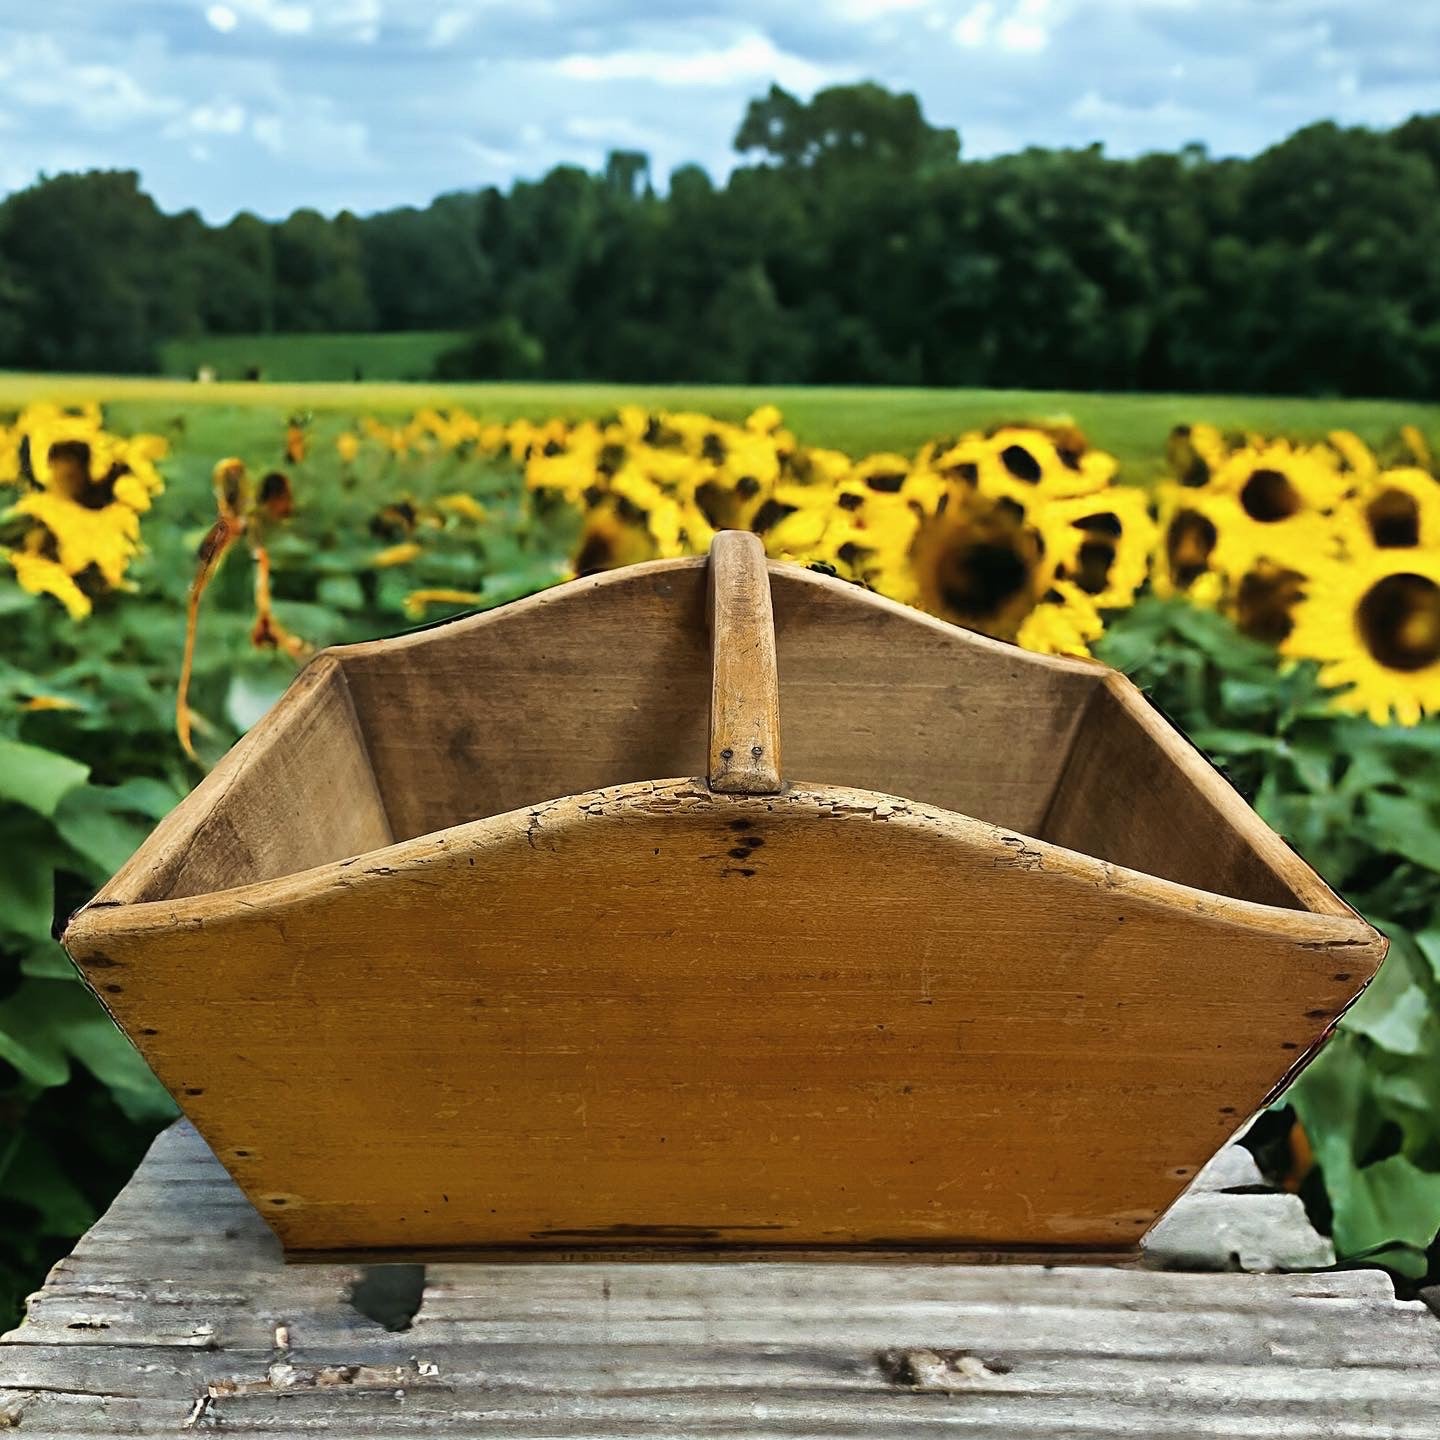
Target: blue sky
(271,104)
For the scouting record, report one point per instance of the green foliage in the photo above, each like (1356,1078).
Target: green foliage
(84,776)
(86,773)
(852,244)
(1361,802)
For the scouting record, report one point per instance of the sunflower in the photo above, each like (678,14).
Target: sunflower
(1264,601)
(811,465)
(615,534)
(1100,543)
(1397,510)
(417,602)
(393,555)
(1026,465)
(800,523)
(1286,494)
(1195,453)
(39,575)
(463,506)
(1189,532)
(1065,622)
(107,537)
(1374,624)
(978,566)
(565,464)
(1353,457)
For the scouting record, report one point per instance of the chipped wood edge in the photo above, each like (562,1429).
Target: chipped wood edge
(1346,932)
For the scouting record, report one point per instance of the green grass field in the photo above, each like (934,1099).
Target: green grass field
(229,417)
(409,356)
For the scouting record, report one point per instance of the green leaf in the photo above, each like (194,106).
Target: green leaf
(32,1034)
(47,961)
(1404,825)
(1390,1201)
(102,1048)
(37,778)
(1237,742)
(1427,942)
(27,888)
(34,1178)
(341,592)
(144,795)
(1394,1021)
(94,822)
(252,693)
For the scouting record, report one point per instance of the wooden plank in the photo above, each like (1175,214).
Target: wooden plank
(297,791)
(744,754)
(176,1309)
(1135,792)
(607,680)
(818,1019)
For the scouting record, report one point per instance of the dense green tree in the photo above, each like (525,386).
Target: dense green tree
(845,126)
(850,244)
(92,285)
(319,274)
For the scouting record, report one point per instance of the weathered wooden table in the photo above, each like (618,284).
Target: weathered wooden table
(175,1313)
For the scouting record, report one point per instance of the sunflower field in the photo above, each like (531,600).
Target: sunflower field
(1279,597)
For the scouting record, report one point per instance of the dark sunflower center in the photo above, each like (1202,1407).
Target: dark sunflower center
(1021,464)
(596,554)
(1399,621)
(770,514)
(977,579)
(1264,601)
(1394,520)
(70,475)
(1092,573)
(1269,496)
(887,483)
(1188,543)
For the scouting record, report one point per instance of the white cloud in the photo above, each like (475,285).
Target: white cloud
(610,130)
(1094,106)
(349,19)
(1025,28)
(973,27)
(751,57)
(278,15)
(309,133)
(492,156)
(35,72)
(875,9)
(448,26)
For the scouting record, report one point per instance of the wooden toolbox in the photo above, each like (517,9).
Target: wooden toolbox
(453,952)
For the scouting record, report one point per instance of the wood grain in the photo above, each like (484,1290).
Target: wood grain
(1136,792)
(744,754)
(825,1018)
(297,791)
(176,1306)
(607,680)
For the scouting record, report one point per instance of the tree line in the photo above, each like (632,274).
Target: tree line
(852,244)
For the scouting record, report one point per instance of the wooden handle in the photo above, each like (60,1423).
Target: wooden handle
(744,680)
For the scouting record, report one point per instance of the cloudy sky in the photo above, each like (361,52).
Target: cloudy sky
(271,104)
